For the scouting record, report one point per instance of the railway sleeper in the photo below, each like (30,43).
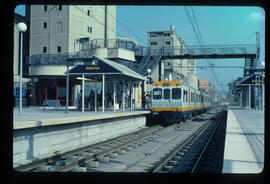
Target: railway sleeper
(121,151)
(103,159)
(79,169)
(59,163)
(128,148)
(85,154)
(167,168)
(172,162)
(93,151)
(46,168)
(75,158)
(91,164)
(176,158)
(181,154)
(112,155)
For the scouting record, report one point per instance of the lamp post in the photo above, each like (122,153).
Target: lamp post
(22,28)
(262,96)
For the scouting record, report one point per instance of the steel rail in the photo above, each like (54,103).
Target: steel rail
(79,162)
(207,144)
(187,141)
(54,158)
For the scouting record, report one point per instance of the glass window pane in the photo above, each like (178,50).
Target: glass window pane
(176,93)
(157,94)
(166,93)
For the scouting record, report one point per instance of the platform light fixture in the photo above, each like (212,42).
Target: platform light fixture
(22,28)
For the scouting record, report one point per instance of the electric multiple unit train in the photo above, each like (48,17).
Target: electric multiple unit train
(174,102)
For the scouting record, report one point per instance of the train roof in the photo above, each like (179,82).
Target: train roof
(175,83)
(167,83)
(170,83)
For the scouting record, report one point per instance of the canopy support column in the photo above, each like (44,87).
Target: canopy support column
(249,96)
(103,87)
(123,95)
(131,90)
(96,94)
(67,87)
(82,92)
(114,94)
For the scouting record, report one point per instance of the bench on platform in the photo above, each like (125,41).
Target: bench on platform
(51,104)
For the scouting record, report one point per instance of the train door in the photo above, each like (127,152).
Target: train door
(176,101)
(166,97)
(189,98)
(195,97)
(156,97)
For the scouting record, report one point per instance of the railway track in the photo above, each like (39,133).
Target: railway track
(89,155)
(92,156)
(196,153)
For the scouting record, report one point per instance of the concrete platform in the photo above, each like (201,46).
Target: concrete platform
(244,142)
(38,134)
(35,116)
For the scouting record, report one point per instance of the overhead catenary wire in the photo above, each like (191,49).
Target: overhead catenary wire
(129,31)
(199,37)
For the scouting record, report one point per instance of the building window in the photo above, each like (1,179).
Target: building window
(168,43)
(60,7)
(90,13)
(45,8)
(44,49)
(59,27)
(153,43)
(59,49)
(89,29)
(45,25)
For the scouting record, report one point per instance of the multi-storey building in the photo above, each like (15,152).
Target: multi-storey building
(203,84)
(59,28)
(57,31)
(170,44)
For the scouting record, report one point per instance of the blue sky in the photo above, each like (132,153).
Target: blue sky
(218,25)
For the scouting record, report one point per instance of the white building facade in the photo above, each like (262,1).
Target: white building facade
(57,31)
(170,44)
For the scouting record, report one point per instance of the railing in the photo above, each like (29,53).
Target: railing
(210,50)
(60,59)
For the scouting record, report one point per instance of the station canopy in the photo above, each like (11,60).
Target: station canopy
(95,67)
(251,80)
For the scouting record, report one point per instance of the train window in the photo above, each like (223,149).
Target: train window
(176,93)
(192,97)
(185,96)
(157,93)
(167,94)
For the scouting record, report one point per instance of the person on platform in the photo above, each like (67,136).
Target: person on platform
(92,100)
(79,99)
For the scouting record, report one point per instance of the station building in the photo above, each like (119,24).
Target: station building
(56,33)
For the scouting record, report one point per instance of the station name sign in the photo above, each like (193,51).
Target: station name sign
(82,62)
(256,81)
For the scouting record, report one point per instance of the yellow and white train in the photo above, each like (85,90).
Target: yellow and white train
(172,101)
